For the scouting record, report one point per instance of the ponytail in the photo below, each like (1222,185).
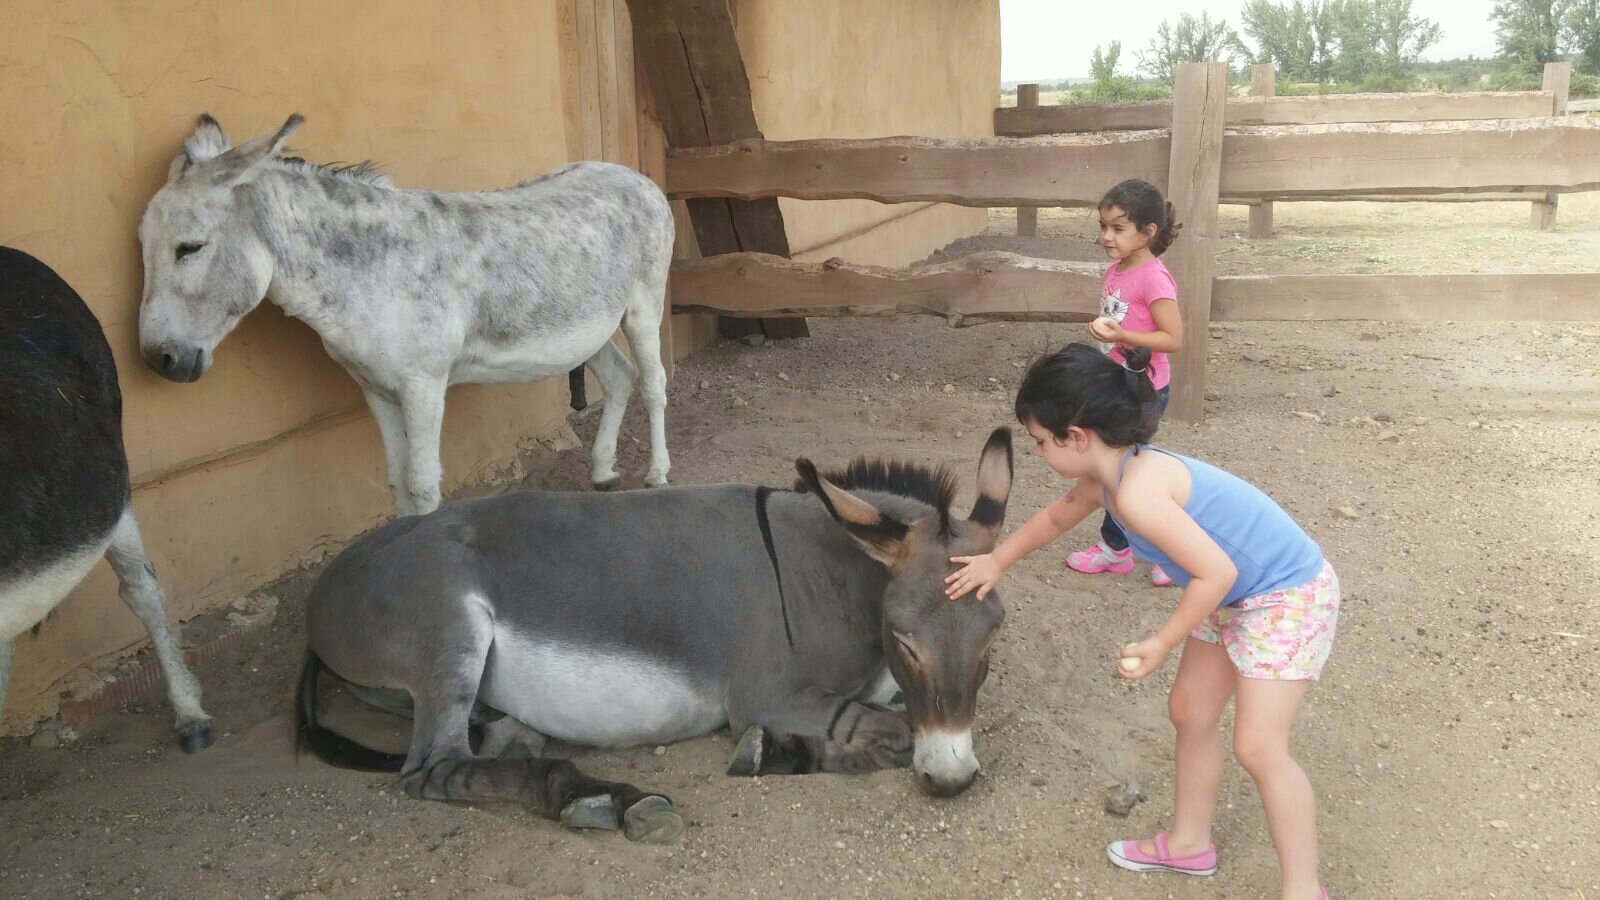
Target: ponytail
(1166,232)
(1079,385)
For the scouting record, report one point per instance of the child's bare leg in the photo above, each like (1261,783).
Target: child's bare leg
(1205,681)
(1262,721)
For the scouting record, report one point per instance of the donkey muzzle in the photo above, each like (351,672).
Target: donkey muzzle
(176,362)
(944,763)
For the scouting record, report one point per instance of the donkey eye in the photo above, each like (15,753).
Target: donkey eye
(905,647)
(189,248)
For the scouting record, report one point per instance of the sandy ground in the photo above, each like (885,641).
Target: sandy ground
(1452,741)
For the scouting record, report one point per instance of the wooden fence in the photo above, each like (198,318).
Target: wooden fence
(1197,160)
(1264,107)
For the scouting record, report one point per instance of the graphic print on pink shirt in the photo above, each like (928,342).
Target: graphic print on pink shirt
(1125,298)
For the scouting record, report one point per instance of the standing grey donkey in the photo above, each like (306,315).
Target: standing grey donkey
(412,290)
(654,616)
(65,501)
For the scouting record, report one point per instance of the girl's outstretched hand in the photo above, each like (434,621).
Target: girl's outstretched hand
(1149,654)
(980,572)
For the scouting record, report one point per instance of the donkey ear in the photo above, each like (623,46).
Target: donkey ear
(240,164)
(881,536)
(995,469)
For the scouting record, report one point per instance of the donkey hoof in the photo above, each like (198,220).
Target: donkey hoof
(652,821)
(196,735)
(591,812)
(653,480)
(746,761)
(609,484)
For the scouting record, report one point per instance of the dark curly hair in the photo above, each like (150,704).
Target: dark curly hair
(1079,385)
(1145,206)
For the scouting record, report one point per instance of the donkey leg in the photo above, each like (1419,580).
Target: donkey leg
(556,789)
(422,411)
(392,426)
(139,589)
(644,336)
(615,375)
(818,730)
(6,646)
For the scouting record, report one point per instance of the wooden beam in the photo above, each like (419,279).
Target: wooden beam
(1557,81)
(1484,197)
(1263,83)
(1195,174)
(1280,162)
(1072,170)
(1407,298)
(1027,216)
(689,52)
(996,286)
(978,288)
(1274,110)
(1411,158)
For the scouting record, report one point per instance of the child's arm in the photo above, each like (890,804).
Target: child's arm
(1150,511)
(983,572)
(1168,336)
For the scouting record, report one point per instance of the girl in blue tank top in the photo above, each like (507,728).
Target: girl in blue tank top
(1256,619)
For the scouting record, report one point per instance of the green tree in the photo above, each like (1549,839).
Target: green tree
(1192,40)
(1580,28)
(1297,38)
(1527,32)
(1354,25)
(1103,66)
(1402,38)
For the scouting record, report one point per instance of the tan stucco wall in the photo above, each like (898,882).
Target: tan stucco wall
(852,69)
(272,459)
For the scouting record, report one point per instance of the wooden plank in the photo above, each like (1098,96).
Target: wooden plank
(689,52)
(610,82)
(978,288)
(1557,81)
(997,286)
(1311,161)
(1583,106)
(1263,83)
(1484,197)
(1027,216)
(631,106)
(1323,110)
(1070,170)
(1407,298)
(1199,96)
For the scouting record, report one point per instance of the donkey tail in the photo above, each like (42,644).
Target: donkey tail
(331,747)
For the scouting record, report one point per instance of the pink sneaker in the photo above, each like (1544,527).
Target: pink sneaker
(1127,855)
(1160,578)
(1100,558)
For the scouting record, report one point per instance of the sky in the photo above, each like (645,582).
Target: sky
(1043,40)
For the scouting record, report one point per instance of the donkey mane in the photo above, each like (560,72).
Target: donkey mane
(364,172)
(933,485)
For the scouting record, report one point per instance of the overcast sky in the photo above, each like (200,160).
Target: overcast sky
(1050,39)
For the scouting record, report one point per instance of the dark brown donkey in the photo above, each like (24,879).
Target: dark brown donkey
(655,616)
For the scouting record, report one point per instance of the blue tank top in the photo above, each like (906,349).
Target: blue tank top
(1268,548)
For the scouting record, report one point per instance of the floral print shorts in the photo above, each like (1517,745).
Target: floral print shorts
(1281,635)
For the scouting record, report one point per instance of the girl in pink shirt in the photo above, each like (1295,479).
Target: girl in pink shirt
(1138,308)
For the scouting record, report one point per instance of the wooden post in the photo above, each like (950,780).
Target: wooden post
(1193,180)
(1027,216)
(1263,83)
(1557,80)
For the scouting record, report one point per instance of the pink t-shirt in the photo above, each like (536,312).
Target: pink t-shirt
(1125,298)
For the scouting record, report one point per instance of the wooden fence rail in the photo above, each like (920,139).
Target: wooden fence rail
(1319,110)
(1279,162)
(996,286)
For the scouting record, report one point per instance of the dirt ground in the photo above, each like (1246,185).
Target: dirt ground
(1447,470)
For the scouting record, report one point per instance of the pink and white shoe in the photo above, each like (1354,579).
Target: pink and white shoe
(1127,855)
(1100,558)
(1159,577)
